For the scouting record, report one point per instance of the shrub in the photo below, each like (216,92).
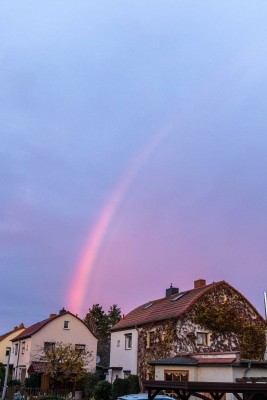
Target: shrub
(33,381)
(88,384)
(120,387)
(134,384)
(102,390)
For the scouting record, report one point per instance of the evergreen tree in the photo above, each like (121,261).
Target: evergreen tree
(100,323)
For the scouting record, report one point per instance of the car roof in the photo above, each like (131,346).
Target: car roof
(142,396)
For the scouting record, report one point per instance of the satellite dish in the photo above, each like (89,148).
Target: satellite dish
(97,360)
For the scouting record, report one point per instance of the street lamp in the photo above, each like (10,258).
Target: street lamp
(8,352)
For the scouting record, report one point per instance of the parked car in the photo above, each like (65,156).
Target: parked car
(143,396)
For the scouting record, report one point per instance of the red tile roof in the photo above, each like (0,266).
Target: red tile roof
(166,307)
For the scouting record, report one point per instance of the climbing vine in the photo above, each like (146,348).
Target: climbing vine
(225,317)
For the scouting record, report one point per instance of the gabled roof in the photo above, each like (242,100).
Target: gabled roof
(17,328)
(165,308)
(39,325)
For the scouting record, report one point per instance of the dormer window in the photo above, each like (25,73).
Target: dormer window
(66,324)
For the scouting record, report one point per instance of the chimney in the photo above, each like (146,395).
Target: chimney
(52,315)
(62,311)
(171,291)
(21,326)
(199,283)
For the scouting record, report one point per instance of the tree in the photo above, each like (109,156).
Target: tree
(100,323)
(114,315)
(64,362)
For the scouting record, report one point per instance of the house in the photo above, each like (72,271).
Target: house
(208,369)
(213,318)
(28,346)
(5,341)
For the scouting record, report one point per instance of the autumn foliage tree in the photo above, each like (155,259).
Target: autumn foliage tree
(65,363)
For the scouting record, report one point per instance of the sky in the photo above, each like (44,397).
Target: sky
(133,152)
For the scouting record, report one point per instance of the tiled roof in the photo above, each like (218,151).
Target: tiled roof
(37,367)
(164,308)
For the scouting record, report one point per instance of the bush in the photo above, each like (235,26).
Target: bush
(14,382)
(51,397)
(120,387)
(33,381)
(102,390)
(88,384)
(134,384)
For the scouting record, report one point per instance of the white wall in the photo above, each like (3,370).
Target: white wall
(160,375)
(53,331)
(121,357)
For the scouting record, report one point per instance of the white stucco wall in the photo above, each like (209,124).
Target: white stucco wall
(160,371)
(121,357)
(53,331)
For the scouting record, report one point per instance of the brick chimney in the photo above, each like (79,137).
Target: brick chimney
(52,315)
(199,283)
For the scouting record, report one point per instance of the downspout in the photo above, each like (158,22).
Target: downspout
(137,352)
(17,366)
(246,370)
(265,304)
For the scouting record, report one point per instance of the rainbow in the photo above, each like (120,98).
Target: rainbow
(85,265)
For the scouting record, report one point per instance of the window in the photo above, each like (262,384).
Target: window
(128,341)
(66,324)
(118,343)
(176,376)
(127,374)
(80,348)
(179,296)
(16,349)
(49,346)
(22,347)
(150,339)
(202,339)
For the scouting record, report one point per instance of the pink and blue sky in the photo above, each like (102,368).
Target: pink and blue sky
(133,152)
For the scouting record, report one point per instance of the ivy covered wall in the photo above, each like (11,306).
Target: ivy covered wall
(232,323)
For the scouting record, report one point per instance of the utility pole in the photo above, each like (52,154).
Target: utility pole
(8,352)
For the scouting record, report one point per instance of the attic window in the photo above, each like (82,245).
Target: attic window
(179,296)
(66,325)
(147,306)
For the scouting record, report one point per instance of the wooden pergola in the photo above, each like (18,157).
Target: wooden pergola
(208,390)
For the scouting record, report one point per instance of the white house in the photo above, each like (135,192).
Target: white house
(210,367)
(63,327)
(168,327)
(123,354)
